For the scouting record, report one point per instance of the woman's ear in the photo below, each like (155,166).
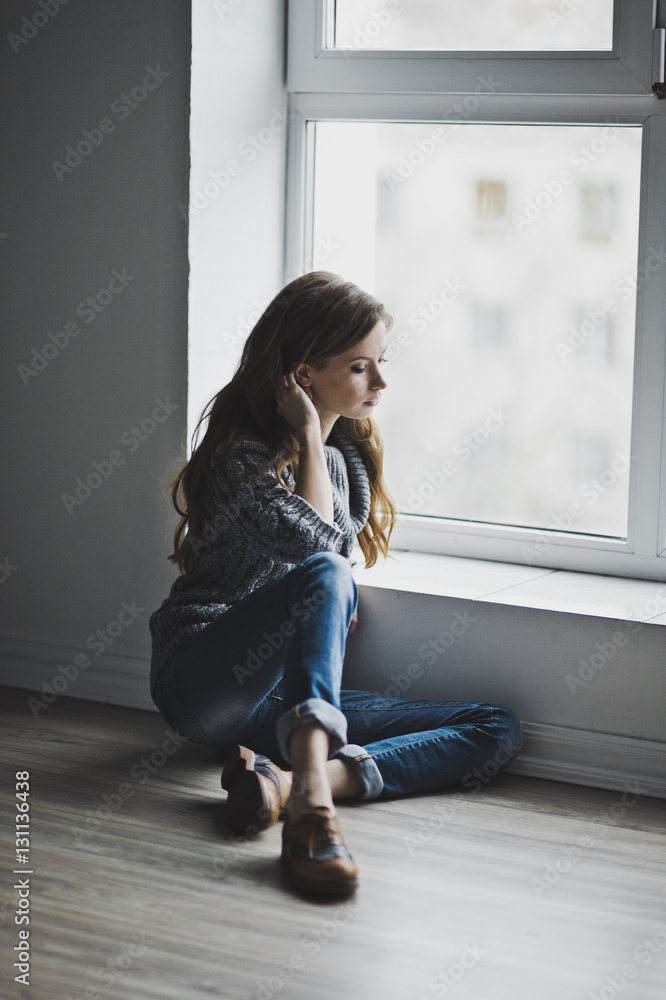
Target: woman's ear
(302,374)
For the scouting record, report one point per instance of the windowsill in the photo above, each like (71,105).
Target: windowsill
(612,597)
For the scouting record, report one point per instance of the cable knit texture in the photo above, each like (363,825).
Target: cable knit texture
(255,532)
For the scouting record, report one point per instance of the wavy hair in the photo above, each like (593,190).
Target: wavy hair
(312,319)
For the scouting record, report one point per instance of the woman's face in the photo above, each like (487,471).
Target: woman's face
(351,383)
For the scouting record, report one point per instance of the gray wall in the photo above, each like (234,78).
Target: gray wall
(527,658)
(118,204)
(114,211)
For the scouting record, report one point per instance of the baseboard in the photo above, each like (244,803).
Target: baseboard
(598,760)
(556,753)
(116,680)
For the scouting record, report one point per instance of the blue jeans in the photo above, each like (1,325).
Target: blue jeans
(274,661)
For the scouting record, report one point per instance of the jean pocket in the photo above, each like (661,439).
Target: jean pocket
(177,715)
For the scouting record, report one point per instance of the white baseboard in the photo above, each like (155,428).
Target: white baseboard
(598,760)
(117,680)
(556,753)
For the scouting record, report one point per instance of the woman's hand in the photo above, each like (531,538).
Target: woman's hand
(295,404)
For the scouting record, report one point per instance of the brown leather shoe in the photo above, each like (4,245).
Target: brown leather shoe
(257,789)
(314,854)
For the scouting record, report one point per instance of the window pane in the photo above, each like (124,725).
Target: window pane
(499,25)
(507,255)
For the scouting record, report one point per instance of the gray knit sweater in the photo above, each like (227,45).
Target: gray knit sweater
(253,534)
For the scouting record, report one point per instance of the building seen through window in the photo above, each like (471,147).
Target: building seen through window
(508,256)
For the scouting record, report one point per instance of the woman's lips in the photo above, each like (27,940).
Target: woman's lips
(371,402)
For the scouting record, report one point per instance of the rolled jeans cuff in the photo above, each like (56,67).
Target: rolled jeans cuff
(365,768)
(312,710)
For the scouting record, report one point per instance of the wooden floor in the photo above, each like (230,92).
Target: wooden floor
(522,889)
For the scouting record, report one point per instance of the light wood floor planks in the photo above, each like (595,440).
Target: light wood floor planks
(521,890)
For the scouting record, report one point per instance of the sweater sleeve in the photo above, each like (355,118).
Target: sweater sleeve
(275,521)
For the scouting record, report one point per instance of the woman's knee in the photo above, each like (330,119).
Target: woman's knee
(326,572)
(327,562)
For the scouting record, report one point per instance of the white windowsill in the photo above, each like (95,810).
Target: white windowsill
(613,597)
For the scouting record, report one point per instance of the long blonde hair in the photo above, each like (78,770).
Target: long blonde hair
(313,318)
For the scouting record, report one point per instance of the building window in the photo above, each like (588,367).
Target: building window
(491,216)
(598,210)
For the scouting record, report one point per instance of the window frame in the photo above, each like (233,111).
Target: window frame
(643,553)
(627,68)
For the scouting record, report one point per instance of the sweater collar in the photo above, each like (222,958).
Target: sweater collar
(357,476)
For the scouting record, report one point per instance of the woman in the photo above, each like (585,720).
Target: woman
(248,647)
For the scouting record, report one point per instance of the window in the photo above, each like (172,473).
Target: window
(509,209)
(492,25)
(534,46)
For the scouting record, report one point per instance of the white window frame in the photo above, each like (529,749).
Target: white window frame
(385,98)
(625,69)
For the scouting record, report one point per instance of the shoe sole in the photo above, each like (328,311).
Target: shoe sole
(325,887)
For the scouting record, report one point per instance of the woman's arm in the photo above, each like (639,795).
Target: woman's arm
(273,520)
(312,480)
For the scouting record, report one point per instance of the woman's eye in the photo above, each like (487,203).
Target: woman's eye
(382,361)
